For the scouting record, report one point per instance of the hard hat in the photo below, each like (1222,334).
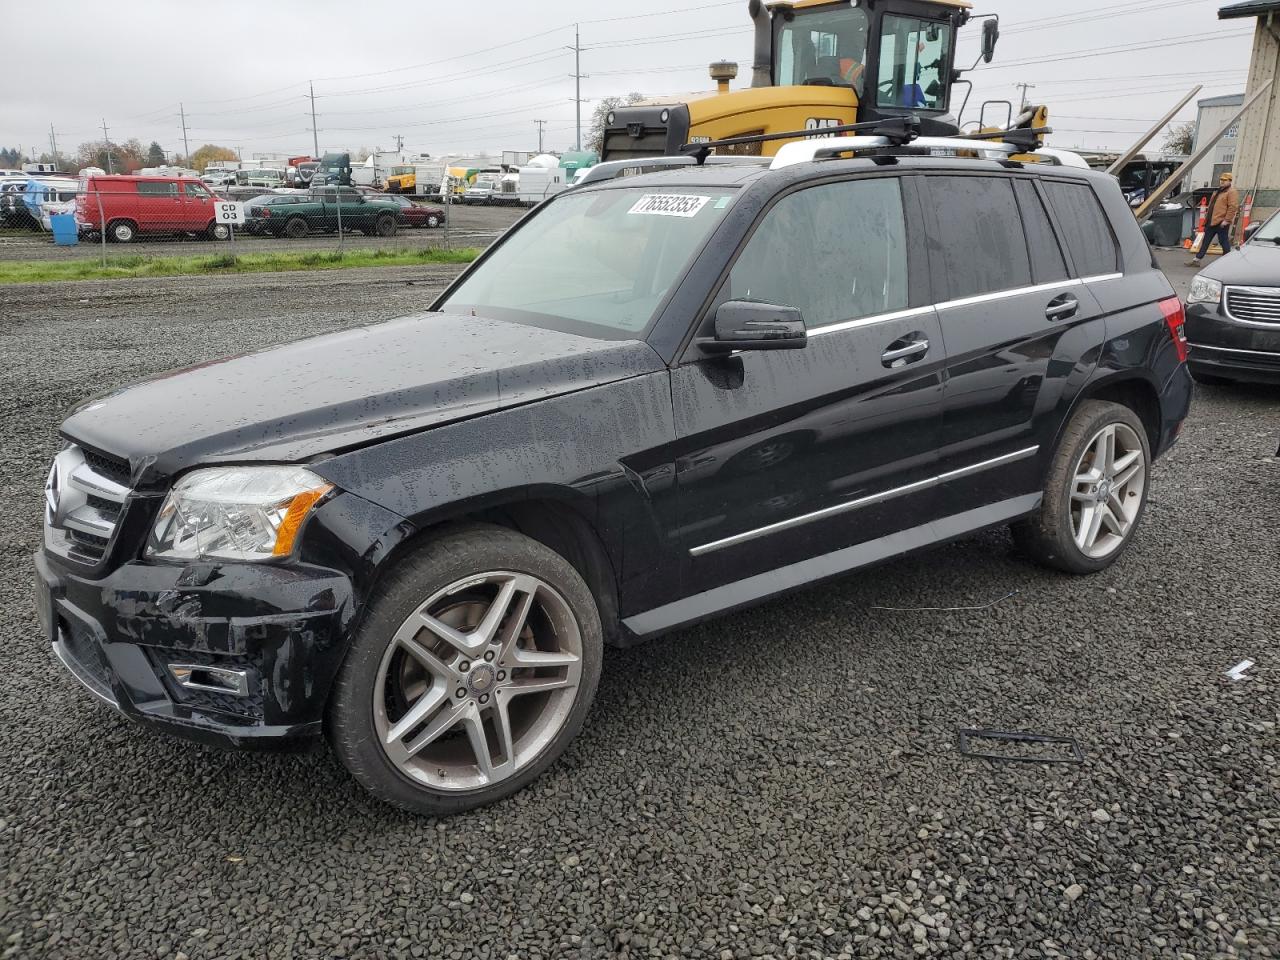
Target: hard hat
(1227,177)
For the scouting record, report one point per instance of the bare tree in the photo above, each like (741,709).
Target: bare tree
(1180,138)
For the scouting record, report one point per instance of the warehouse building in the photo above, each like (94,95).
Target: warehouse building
(1211,114)
(1257,159)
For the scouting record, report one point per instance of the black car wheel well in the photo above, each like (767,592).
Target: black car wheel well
(556,526)
(1135,393)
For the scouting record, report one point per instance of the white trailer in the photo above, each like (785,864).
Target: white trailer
(542,177)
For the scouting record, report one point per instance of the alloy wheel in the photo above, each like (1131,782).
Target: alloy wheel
(478,681)
(1106,490)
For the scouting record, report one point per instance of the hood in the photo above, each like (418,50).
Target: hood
(1254,264)
(344,390)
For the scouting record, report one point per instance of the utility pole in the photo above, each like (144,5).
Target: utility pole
(107,139)
(541,124)
(53,144)
(1024,87)
(577,83)
(399,143)
(315,133)
(186,147)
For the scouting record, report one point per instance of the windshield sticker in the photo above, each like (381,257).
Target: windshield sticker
(722,203)
(668,205)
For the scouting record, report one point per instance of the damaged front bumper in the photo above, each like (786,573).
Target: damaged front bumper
(236,655)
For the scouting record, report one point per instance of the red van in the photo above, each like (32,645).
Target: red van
(132,206)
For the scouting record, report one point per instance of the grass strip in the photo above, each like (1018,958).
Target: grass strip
(123,267)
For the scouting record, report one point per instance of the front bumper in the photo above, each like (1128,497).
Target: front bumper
(1223,347)
(283,628)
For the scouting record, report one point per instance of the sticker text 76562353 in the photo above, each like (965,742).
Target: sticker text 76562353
(668,205)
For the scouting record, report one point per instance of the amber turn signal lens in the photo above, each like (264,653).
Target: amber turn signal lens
(292,522)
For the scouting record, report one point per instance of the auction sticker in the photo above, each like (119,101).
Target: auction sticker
(669,205)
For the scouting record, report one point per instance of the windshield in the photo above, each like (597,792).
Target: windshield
(1269,232)
(597,263)
(827,47)
(400,171)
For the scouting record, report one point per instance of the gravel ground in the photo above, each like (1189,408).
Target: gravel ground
(782,782)
(469,226)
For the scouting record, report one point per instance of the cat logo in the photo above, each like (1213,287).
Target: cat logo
(820,123)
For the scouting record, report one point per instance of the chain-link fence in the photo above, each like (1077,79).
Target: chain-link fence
(110,216)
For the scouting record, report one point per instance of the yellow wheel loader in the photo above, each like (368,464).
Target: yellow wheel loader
(819,65)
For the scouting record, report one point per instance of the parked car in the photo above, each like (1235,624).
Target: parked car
(128,207)
(481,192)
(653,400)
(416,214)
(1233,313)
(323,208)
(257,220)
(13,210)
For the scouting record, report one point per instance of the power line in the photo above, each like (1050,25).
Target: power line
(1177,41)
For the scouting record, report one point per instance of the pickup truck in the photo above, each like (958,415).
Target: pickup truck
(319,210)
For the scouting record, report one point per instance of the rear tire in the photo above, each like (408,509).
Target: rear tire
(415,707)
(385,226)
(122,231)
(1094,500)
(295,228)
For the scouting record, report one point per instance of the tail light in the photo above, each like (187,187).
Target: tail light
(1176,318)
(265,211)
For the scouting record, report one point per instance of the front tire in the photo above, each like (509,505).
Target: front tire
(1095,493)
(473,671)
(218,231)
(385,227)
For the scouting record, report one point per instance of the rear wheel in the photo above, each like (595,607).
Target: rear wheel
(1095,494)
(475,668)
(385,226)
(122,231)
(295,228)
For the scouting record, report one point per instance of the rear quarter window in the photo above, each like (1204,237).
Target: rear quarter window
(1084,226)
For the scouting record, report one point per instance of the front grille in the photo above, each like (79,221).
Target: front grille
(1260,305)
(85,497)
(114,469)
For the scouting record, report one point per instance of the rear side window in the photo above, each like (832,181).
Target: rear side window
(836,252)
(981,247)
(1047,263)
(1084,227)
(150,188)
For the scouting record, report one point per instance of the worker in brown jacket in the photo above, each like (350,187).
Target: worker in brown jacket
(1223,207)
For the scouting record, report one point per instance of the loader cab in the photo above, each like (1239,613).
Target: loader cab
(817,65)
(897,56)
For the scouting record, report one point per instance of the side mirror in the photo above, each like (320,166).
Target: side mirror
(990,34)
(1253,228)
(749,325)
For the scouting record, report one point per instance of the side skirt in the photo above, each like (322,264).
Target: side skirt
(752,590)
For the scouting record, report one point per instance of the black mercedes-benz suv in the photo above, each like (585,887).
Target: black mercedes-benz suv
(659,398)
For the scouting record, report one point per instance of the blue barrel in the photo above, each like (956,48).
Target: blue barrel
(65,231)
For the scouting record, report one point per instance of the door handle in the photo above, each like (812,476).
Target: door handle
(1062,308)
(912,351)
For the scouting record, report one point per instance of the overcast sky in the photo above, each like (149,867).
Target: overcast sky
(470,77)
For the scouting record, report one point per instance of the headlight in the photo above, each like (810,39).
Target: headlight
(235,513)
(1204,290)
